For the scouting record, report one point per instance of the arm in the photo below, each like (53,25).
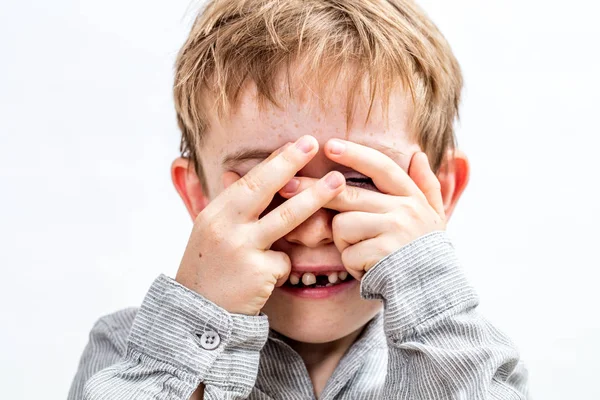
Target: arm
(439,345)
(165,356)
(227,274)
(391,235)
(107,344)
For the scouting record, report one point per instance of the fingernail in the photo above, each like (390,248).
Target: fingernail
(336,147)
(333,180)
(305,144)
(291,186)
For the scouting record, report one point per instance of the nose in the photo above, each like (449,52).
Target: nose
(314,231)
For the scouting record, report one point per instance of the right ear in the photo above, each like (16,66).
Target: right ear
(187,184)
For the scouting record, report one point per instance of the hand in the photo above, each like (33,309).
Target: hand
(373,224)
(228,258)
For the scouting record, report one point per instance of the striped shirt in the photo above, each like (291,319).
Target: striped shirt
(428,342)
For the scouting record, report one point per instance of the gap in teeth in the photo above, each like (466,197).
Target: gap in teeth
(309,278)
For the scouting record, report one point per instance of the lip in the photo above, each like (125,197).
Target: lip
(319,293)
(318,268)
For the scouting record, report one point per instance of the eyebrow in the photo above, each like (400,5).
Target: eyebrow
(245,154)
(255,153)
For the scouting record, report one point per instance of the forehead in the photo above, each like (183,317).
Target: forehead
(250,130)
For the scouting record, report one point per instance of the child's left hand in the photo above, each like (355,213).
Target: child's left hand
(373,224)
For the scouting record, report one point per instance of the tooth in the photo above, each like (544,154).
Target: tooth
(294,279)
(343,275)
(332,277)
(309,278)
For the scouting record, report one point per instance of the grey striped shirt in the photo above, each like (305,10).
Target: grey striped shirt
(429,342)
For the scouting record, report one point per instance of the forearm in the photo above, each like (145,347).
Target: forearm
(439,346)
(167,356)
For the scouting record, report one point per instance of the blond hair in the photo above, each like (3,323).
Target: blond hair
(391,42)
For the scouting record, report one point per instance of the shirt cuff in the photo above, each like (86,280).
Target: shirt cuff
(419,281)
(183,329)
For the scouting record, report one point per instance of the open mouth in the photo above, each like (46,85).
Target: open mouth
(311,280)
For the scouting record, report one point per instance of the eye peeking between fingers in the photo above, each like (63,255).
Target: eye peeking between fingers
(361,182)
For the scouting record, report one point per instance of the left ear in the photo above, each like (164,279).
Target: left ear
(453,176)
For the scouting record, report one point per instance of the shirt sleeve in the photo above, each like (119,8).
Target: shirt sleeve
(178,340)
(440,347)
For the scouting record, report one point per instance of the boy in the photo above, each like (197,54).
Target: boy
(319,167)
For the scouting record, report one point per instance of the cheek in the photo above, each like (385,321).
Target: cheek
(227,179)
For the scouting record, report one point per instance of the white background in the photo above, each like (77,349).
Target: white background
(89,216)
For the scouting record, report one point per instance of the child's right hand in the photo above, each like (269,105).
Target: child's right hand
(228,258)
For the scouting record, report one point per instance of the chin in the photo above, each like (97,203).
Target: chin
(322,320)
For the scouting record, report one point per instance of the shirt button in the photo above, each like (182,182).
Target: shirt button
(210,340)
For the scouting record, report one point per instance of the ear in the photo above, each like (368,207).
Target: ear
(188,186)
(453,178)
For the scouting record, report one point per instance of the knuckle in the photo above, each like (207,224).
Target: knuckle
(284,259)
(288,216)
(218,238)
(412,208)
(287,157)
(397,221)
(347,259)
(214,227)
(201,220)
(266,291)
(220,235)
(352,195)
(337,222)
(251,182)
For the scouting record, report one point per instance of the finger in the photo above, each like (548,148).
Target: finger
(388,176)
(350,199)
(294,211)
(281,264)
(251,194)
(361,257)
(421,173)
(229,177)
(352,227)
(276,152)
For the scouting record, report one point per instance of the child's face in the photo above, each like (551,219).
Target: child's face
(311,243)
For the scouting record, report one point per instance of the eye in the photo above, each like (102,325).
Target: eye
(366,183)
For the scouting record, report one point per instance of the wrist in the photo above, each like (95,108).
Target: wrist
(418,282)
(183,329)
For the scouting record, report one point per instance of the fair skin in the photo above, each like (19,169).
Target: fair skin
(313,224)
